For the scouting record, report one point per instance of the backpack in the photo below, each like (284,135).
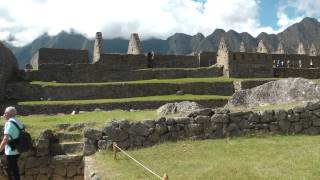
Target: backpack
(23,143)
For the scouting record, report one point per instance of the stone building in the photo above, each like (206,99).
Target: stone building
(97,49)
(243,47)
(301,49)
(243,64)
(313,50)
(262,47)
(281,49)
(134,46)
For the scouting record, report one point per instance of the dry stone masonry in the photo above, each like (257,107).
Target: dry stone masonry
(204,124)
(134,46)
(97,49)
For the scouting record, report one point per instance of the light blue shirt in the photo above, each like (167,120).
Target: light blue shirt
(11,130)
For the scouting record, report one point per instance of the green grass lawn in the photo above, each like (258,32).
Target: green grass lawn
(174,81)
(277,157)
(37,123)
(119,100)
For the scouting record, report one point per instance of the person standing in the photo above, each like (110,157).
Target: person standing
(11,132)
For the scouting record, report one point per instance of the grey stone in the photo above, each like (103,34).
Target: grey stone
(138,129)
(280,114)
(182,120)
(194,129)
(266,116)
(221,111)
(293,117)
(161,128)
(312,131)
(184,107)
(149,123)
(115,134)
(284,125)
(124,124)
(92,133)
(284,90)
(222,118)
(254,117)
(202,119)
(313,106)
(170,121)
(89,147)
(316,122)
(204,112)
(104,144)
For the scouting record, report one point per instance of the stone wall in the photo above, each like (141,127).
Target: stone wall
(38,163)
(26,91)
(309,73)
(90,169)
(294,60)
(249,65)
(68,108)
(205,124)
(56,56)
(241,85)
(131,61)
(208,58)
(99,73)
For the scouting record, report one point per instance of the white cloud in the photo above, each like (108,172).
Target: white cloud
(120,18)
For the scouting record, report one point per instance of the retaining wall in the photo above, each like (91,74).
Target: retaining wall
(309,73)
(205,124)
(68,108)
(38,163)
(26,91)
(99,73)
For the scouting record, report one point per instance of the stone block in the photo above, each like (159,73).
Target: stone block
(202,119)
(220,118)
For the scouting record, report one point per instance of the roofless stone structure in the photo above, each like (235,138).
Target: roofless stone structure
(262,47)
(301,49)
(134,44)
(97,49)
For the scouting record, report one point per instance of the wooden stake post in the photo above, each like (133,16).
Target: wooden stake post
(165,177)
(114,148)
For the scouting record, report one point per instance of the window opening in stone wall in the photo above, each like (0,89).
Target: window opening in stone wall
(234,57)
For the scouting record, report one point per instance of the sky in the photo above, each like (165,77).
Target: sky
(21,21)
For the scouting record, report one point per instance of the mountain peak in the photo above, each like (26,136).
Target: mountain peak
(309,20)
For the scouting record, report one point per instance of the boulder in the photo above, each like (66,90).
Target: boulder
(274,92)
(183,107)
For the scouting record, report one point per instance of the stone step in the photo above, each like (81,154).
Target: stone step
(67,91)
(151,102)
(67,148)
(69,136)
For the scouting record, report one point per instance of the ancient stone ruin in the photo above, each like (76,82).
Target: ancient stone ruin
(280,49)
(301,49)
(262,47)
(134,46)
(97,49)
(242,47)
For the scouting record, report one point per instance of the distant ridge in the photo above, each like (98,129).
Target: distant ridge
(307,32)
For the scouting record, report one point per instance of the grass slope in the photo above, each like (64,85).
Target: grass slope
(37,123)
(146,98)
(278,157)
(173,81)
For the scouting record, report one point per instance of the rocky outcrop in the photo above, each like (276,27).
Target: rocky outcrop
(281,91)
(178,108)
(8,68)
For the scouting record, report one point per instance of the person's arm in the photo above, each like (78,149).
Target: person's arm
(4,142)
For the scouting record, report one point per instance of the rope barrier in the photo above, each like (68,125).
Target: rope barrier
(115,147)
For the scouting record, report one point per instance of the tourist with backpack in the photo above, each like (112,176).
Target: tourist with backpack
(12,131)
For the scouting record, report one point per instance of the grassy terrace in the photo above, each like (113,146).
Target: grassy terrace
(277,157)
(122,100)
(37,123)
(173,81)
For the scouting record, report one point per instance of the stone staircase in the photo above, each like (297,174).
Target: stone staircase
(70,143)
